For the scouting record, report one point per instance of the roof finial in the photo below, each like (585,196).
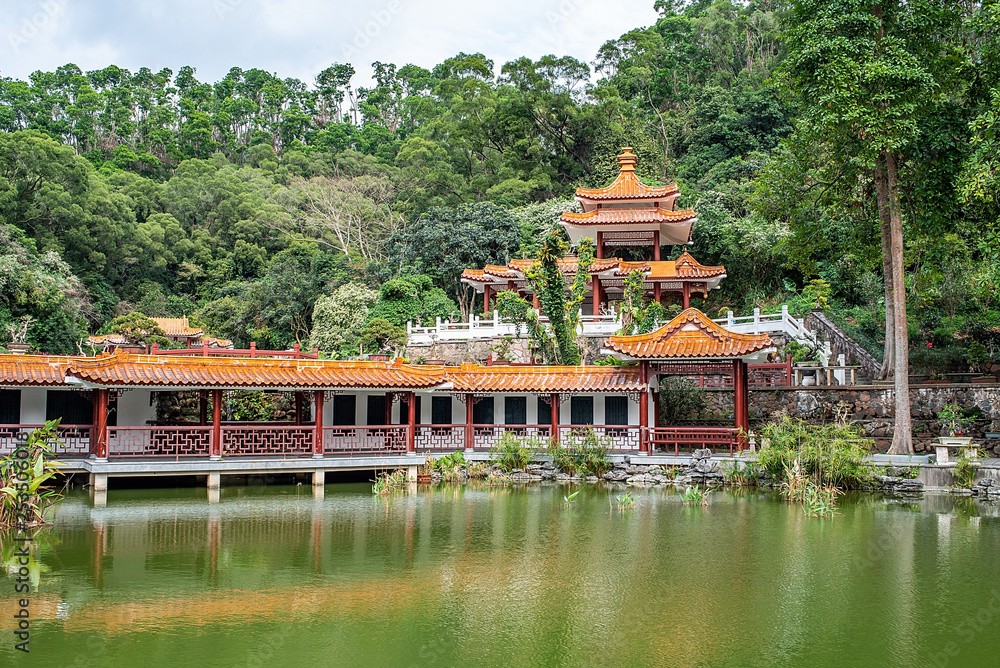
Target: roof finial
(627,160)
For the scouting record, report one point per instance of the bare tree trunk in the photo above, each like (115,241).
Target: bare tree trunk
(882,195)
(902,436)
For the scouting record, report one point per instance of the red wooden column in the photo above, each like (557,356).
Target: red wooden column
(657,292)
(470,402)
(600,246)
(656,245)
(656,408)
(740,397)
(298,408)
(215,445)
(644,408)
(687,295)
(318,397)
(99,433)
(554,402)
(535,304)
(487,293)
(411,432)
(597,298)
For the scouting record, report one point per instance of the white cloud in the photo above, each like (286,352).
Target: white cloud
(297,38)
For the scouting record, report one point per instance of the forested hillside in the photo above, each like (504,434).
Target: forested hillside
(275,210)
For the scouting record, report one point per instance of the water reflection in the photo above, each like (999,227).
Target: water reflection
(491,576)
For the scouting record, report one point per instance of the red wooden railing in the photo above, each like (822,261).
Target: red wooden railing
(694,438)
(176,442)
(760,375)
(352,440)
(284,440)
(75,438)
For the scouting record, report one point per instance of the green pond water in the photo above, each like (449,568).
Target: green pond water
(447,575)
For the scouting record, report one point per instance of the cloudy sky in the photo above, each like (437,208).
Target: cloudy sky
(299,38)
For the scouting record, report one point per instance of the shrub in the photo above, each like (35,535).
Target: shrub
(831,454)
(514,452)
(585,453)
(30,506)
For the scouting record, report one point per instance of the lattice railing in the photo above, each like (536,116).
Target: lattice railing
(75,438)
(440,437)
(159,441)
(485,435)
(615,437)
(694,438)
(267,440)
(365,440)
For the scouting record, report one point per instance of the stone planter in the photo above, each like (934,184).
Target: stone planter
(18,348)
(951,442)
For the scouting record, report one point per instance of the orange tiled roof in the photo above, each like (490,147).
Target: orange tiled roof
(683,267)
(544,379)
(691,335)
(177,327)
(123,369)
(627,185)
(32,370)
(625,216)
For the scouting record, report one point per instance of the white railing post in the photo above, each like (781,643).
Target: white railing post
(409,327)
(756,320)
(729,318)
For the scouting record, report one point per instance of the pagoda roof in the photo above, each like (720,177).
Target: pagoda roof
(684,267)
(691,335)
(626,216)
(627,186)
(33,370)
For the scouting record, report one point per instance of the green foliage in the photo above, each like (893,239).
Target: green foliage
(966,467)
(24,501)
(953,419)
(338,319)
(625,501)
(583,453)
(138,330)
(693,496)
(512,451)
(829,454)
(388,483)
(379,335)
(800,352)
(680,399)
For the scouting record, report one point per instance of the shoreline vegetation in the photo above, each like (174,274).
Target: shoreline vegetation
(811,465)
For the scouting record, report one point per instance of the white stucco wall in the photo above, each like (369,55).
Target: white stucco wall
(134,408)
(33,405)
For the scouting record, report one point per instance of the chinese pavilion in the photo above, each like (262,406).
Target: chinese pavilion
(627,213)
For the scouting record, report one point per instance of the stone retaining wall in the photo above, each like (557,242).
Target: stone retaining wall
(872,407)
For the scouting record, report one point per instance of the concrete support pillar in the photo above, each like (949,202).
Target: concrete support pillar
(319,478)
(215,447)
(411,473)
(318,426)
(411,423)
(99,482)
(214,480)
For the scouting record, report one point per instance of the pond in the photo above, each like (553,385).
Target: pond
(452,575)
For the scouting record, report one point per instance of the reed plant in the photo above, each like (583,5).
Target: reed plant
(389,482)
(693,496)
(512,451)
(585,453)
(966,466)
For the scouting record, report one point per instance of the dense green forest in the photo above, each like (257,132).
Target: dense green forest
(275,210)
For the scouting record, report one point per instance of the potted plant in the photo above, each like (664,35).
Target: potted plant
(953,420)
(18,331)
(425,470)
(502,350)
